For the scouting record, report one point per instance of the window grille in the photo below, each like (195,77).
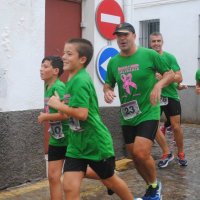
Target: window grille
(146,28)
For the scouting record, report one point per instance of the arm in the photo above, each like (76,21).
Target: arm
(177,77)
(167,78)
(51,117)
(78,113)
(109,94)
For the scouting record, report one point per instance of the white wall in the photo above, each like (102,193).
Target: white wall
(21,51)
(22,44)
(179,24)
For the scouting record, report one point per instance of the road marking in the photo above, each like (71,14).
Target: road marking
(23,189)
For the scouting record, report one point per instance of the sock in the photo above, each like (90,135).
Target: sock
(154,184)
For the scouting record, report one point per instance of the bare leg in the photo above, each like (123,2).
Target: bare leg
(178,132)
(54,177)
(145,165)
(72,183)
(119,187)
(90,173)
(161,140)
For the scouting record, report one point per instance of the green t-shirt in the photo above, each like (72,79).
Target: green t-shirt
(135,77)
(58,129)
(89,139)
(171,89)
(197,77)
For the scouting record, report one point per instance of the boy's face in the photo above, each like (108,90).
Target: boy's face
(47,72)
(71,59)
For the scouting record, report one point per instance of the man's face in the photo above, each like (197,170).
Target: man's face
(156,43)
(125,41)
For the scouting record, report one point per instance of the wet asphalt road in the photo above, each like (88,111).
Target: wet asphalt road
(179,183)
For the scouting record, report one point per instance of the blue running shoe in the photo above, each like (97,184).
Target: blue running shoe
(153,193)
(181,159)
(165,160)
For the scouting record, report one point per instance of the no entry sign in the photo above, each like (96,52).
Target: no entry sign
(108,15)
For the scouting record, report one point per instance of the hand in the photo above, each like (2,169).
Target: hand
(155,95)
(182,87)
(42,117)
(54,101)
(109,96)
(158,76)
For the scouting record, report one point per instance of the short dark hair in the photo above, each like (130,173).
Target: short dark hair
(56,62)
(156,34)
(84,48)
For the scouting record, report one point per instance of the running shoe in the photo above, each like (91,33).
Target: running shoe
(181,159)
(168,130)
(110,192)
(153,193)
(166,158)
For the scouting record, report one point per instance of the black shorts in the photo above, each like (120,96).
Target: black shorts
(146,129)
(56,153)
(173,108)
(104,168)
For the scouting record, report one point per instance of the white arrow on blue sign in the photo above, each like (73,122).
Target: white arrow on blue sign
(103,58)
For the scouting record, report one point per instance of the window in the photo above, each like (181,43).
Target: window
(146,28)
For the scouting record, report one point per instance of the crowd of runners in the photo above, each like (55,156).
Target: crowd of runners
(80,145)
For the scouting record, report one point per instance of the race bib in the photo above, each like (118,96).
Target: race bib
(130,110)
(163,101)
(56,130)
(74,125)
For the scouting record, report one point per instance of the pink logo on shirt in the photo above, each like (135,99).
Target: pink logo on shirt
(127,82)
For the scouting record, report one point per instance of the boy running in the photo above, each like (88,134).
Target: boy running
(51,69)
(90,142)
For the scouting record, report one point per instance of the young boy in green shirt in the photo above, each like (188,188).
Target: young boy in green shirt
(51,69)
(89,141)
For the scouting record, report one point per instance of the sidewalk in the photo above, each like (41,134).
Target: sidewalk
(179,183)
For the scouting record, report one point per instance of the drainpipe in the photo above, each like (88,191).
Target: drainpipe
(128,10)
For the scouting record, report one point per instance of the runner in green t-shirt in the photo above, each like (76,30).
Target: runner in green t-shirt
(89,142)
(51,69)
(197,77)
(133,70)
(170,104)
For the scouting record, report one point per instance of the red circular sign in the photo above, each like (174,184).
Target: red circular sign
(108,15)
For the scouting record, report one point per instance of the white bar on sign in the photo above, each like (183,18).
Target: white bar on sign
(110,18)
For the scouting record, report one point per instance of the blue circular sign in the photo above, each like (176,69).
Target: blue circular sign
(103,58)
